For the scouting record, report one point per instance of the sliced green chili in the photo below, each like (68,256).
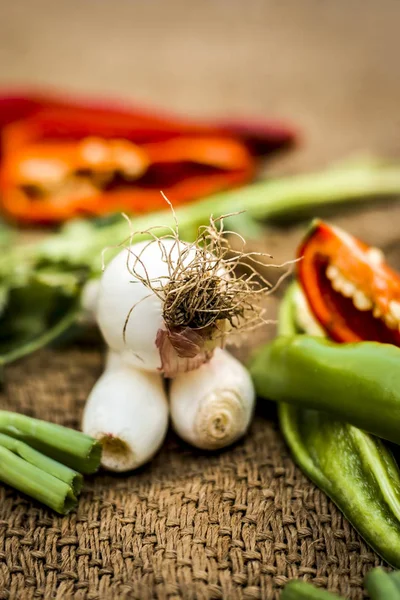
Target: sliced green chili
(354,469)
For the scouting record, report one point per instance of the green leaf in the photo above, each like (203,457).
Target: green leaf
(34,316)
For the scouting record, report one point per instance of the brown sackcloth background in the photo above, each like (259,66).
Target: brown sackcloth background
(240,523)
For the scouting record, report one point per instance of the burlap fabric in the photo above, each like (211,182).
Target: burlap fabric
(232,525)
(237,524)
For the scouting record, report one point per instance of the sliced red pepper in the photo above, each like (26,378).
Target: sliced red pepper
(87,114)
(182,169)
(366,302)
(182,158)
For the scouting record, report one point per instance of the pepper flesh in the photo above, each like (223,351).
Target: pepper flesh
(45,179)
(325,247)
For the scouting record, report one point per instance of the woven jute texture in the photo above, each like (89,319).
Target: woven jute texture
(231,525)
(238,524)
(234,525)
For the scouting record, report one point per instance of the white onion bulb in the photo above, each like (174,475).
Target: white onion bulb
(127,410)
(212,406)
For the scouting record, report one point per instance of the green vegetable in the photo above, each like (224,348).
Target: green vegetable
(38,476)
(352,467)
(40,458)
(81,243)
(42,462)
(395,575)
(381,585)
(32,320)
(358,383)
(300,590)
(36,483)
(72,448)
(58,268)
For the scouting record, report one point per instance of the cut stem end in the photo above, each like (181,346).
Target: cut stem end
(117,455)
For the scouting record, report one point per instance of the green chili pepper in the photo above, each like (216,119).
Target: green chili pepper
(300,590)
(352,467)
(381,585)
(395,575)
(357,383)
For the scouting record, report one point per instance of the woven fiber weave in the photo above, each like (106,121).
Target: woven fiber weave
(234,525)
(238,524)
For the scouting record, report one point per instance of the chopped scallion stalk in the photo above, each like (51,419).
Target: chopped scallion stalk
(43,462)
(31,480)
(72,448)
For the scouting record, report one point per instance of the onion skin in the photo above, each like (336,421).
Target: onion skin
(127,410)
(212,406)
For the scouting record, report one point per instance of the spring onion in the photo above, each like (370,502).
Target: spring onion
(40,458)
(127,412)
(212,406)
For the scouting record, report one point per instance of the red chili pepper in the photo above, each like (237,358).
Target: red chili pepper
(46,175)
(350,289)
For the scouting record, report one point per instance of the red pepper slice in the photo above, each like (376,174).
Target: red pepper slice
(182,169)
(350,289)
(260,137)
(184,159)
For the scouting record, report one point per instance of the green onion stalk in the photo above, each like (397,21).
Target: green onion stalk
(41,284)
(45,460)
(79,242)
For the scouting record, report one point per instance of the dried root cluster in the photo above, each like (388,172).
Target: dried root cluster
(211,288)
